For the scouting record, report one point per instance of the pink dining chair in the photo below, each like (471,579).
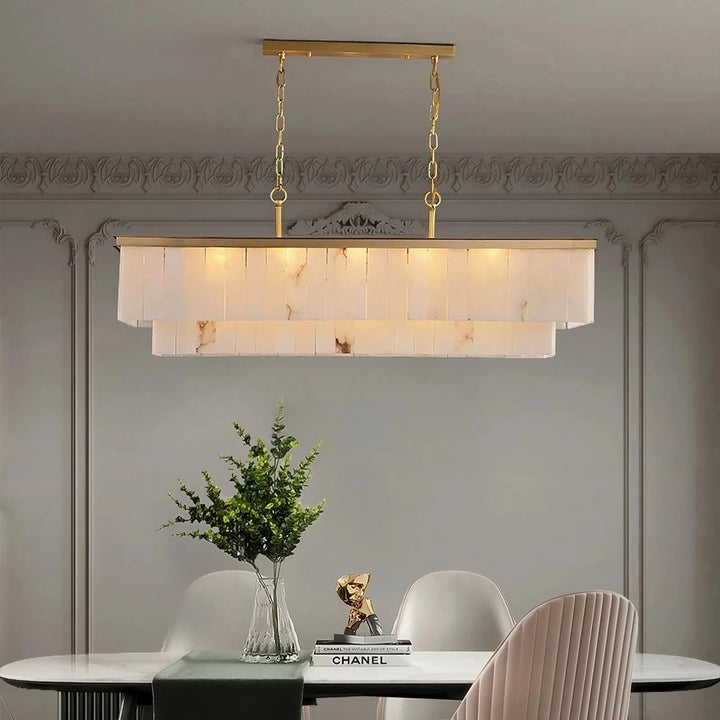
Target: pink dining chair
(569,658)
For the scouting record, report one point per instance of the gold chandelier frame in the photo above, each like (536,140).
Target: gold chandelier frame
(350,242)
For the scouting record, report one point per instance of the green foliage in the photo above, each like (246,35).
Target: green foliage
(264,517)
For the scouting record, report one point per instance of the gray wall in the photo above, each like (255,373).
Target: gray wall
(596,469)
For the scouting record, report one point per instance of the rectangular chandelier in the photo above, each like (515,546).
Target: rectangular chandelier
(378,297)
(384,297)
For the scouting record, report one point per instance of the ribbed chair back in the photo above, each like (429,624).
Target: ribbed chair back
(568,659)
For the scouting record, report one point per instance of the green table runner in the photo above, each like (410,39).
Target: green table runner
(218,685)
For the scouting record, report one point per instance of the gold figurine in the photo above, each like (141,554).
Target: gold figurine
(351,590)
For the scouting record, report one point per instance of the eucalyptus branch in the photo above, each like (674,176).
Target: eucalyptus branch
(264,517)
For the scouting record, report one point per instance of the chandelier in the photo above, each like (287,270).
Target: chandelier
(374,297)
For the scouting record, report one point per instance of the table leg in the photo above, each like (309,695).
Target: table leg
(128,706)
(89,705)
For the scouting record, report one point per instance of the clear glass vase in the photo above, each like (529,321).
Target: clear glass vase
(271,638)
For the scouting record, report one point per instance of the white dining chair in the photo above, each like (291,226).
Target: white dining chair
(447,610)
(215,613)
(570,657)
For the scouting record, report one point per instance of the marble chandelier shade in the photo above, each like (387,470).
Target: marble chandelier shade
(394,297)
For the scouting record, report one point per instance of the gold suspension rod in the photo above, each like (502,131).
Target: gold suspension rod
(333,48)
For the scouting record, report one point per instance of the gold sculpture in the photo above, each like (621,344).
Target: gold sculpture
(351,590)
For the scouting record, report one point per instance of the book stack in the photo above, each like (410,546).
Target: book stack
(362,654)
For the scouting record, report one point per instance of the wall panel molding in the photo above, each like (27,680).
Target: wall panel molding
(57,233)
(223,176)
(84,188)
(660,230)
(82,381)
(365,219)
(52,227)
(106,233)
(656,235)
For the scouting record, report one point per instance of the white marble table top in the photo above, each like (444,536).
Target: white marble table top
(434,672)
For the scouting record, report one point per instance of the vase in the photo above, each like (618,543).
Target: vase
(271,638)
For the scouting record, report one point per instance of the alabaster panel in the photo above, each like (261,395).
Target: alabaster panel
(166,283)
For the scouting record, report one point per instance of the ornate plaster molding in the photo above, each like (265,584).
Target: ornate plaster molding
(24,176)
(613,236)
(105,233)
(656,235)
(362,219)
(358,218)
(661,228)
(58,234)
(53,228)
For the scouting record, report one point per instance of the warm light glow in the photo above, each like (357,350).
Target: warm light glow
(447,300)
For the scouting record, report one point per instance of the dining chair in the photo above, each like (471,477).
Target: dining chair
(214,614)
(447,610)
(570,657)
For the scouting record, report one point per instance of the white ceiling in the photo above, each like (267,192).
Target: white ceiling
(529,76)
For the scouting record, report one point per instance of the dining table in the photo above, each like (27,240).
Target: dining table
(445,675)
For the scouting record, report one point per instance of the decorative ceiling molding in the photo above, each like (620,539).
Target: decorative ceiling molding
(59,176)
(358,218)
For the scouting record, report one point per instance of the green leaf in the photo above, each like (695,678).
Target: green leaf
(264,516)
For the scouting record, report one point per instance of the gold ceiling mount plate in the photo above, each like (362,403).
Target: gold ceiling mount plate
(333,48)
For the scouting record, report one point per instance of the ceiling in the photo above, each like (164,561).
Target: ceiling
(540,76)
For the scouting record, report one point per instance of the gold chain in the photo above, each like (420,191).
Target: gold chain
(432,197)
(278,194)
